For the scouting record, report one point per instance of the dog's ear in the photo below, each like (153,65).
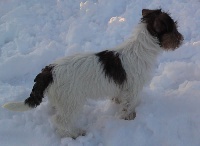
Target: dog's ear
(146,12)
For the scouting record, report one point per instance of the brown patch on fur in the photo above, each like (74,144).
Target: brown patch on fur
(42,81)
(171,41)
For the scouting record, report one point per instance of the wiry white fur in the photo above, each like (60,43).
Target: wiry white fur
(79,77)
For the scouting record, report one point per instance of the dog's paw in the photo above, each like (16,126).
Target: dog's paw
(80,133)
(116,100)
(130,116)
(64,133)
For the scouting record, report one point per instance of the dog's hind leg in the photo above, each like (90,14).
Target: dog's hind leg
(65,127)
(65,119)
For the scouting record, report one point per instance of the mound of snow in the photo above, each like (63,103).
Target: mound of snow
(35,33)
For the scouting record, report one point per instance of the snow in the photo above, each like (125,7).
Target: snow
(35,33)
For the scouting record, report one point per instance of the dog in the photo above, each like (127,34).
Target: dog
(119,74)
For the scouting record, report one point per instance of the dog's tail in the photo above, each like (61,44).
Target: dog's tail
(17,106)
(42,81)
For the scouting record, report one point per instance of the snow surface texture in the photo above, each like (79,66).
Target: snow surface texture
(35,33)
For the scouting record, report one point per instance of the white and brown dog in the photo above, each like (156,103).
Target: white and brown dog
(118,74)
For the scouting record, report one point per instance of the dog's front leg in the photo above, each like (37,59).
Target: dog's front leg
(116,100)
(128,104)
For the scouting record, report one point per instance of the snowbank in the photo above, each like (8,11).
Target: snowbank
(35,33)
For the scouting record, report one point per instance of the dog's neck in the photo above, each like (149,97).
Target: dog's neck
(142,48)
(141,44)
(141,40)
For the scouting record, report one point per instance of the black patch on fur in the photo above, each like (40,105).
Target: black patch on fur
(42,81)
(112,66)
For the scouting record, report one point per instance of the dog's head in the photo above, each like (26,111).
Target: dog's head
(162,26)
